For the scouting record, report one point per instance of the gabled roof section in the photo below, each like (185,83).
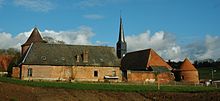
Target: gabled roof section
(71,55)
(155,60)
(143,60)
(187,66)
(34,37)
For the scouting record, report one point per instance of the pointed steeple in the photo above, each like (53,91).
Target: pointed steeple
(121,32)
(121,44)
(34,37)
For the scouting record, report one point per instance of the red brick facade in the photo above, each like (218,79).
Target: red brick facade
(190,77)
(73,73)
(188,72)
(15,72)
(148,77)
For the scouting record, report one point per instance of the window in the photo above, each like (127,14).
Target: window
(29,72)
(95,73)
(113,73)
(77,58)
(63,58)
(43,58)
(182,77)
(85,56)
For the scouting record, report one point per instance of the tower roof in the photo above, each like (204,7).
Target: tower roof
(34,37)
(121,32)
(187,65)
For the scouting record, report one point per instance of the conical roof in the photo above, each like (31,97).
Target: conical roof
(34,37)
(187,65)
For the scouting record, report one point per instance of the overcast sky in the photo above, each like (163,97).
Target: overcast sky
(173,28)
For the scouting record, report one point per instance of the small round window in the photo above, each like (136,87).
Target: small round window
(43,58)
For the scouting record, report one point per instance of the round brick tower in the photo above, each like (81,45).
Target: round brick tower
(188,72)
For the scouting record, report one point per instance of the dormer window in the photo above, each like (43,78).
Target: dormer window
(85,56)
(63,58)
(77,58)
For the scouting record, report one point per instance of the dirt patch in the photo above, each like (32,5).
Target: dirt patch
(13,92)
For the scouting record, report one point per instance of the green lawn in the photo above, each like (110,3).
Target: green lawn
(112,87)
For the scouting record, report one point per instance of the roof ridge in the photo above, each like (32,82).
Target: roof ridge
(75,45)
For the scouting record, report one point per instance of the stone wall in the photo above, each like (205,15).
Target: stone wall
(73,73)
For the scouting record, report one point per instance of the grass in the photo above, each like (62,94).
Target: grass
(112,87)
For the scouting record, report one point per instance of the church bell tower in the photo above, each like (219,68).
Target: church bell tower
(121,44)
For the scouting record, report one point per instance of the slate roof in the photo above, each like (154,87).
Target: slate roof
(66,55)
(34,37)
(143,60)
(187,66)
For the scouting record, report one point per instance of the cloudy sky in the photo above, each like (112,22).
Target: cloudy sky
(173,28)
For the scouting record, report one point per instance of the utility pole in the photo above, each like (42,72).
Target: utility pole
(213,71)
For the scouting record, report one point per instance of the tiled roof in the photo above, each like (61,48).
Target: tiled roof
(142,60)
(187,65)
(66,55)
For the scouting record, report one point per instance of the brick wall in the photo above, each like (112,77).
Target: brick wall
(87,73)
(189,77)
(15,72)
(140,76)
(148,77)
(74,73)
(165,77)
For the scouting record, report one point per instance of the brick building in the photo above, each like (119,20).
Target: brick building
(145,66)
(44,61)
(188,72)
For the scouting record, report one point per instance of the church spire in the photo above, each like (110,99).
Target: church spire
(121,32)
(121,44)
